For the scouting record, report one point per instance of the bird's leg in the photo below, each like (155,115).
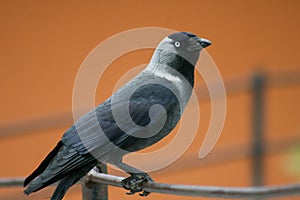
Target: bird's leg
(135,182)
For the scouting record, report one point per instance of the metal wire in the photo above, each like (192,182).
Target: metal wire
(11,182)
(186,190)
(204,191)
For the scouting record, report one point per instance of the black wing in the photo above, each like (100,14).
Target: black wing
(73,153)
(112,131)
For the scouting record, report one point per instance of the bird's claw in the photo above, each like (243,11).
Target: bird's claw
(134,183)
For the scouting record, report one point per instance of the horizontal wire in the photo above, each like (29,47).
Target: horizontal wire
(11,182)
(186,190)
(203,191)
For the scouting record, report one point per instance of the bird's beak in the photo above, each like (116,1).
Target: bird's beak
(199,43)
(204,42)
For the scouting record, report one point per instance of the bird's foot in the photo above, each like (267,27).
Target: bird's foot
(134,183)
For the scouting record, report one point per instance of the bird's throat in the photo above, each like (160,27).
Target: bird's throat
(170,64)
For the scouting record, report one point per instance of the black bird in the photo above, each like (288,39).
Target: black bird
(128,121)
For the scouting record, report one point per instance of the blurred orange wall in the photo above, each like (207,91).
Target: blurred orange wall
(43,43)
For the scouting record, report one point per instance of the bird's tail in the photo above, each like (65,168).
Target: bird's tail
(34,178)
(34,186)
(64,185)
(44,164)
(60,190)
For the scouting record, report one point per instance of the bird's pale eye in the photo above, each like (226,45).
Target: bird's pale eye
(177,44)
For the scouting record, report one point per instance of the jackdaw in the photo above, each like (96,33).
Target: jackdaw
(136,116)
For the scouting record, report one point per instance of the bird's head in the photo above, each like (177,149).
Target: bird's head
(183,44)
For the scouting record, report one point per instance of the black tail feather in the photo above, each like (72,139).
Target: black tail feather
(66,183)
(43,164)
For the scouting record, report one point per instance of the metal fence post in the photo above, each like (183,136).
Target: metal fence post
(258,129)
(92,190)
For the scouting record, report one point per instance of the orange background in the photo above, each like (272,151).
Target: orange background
(43,43)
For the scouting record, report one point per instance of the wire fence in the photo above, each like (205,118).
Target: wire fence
(257,149)
(184,190)
(203,191)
